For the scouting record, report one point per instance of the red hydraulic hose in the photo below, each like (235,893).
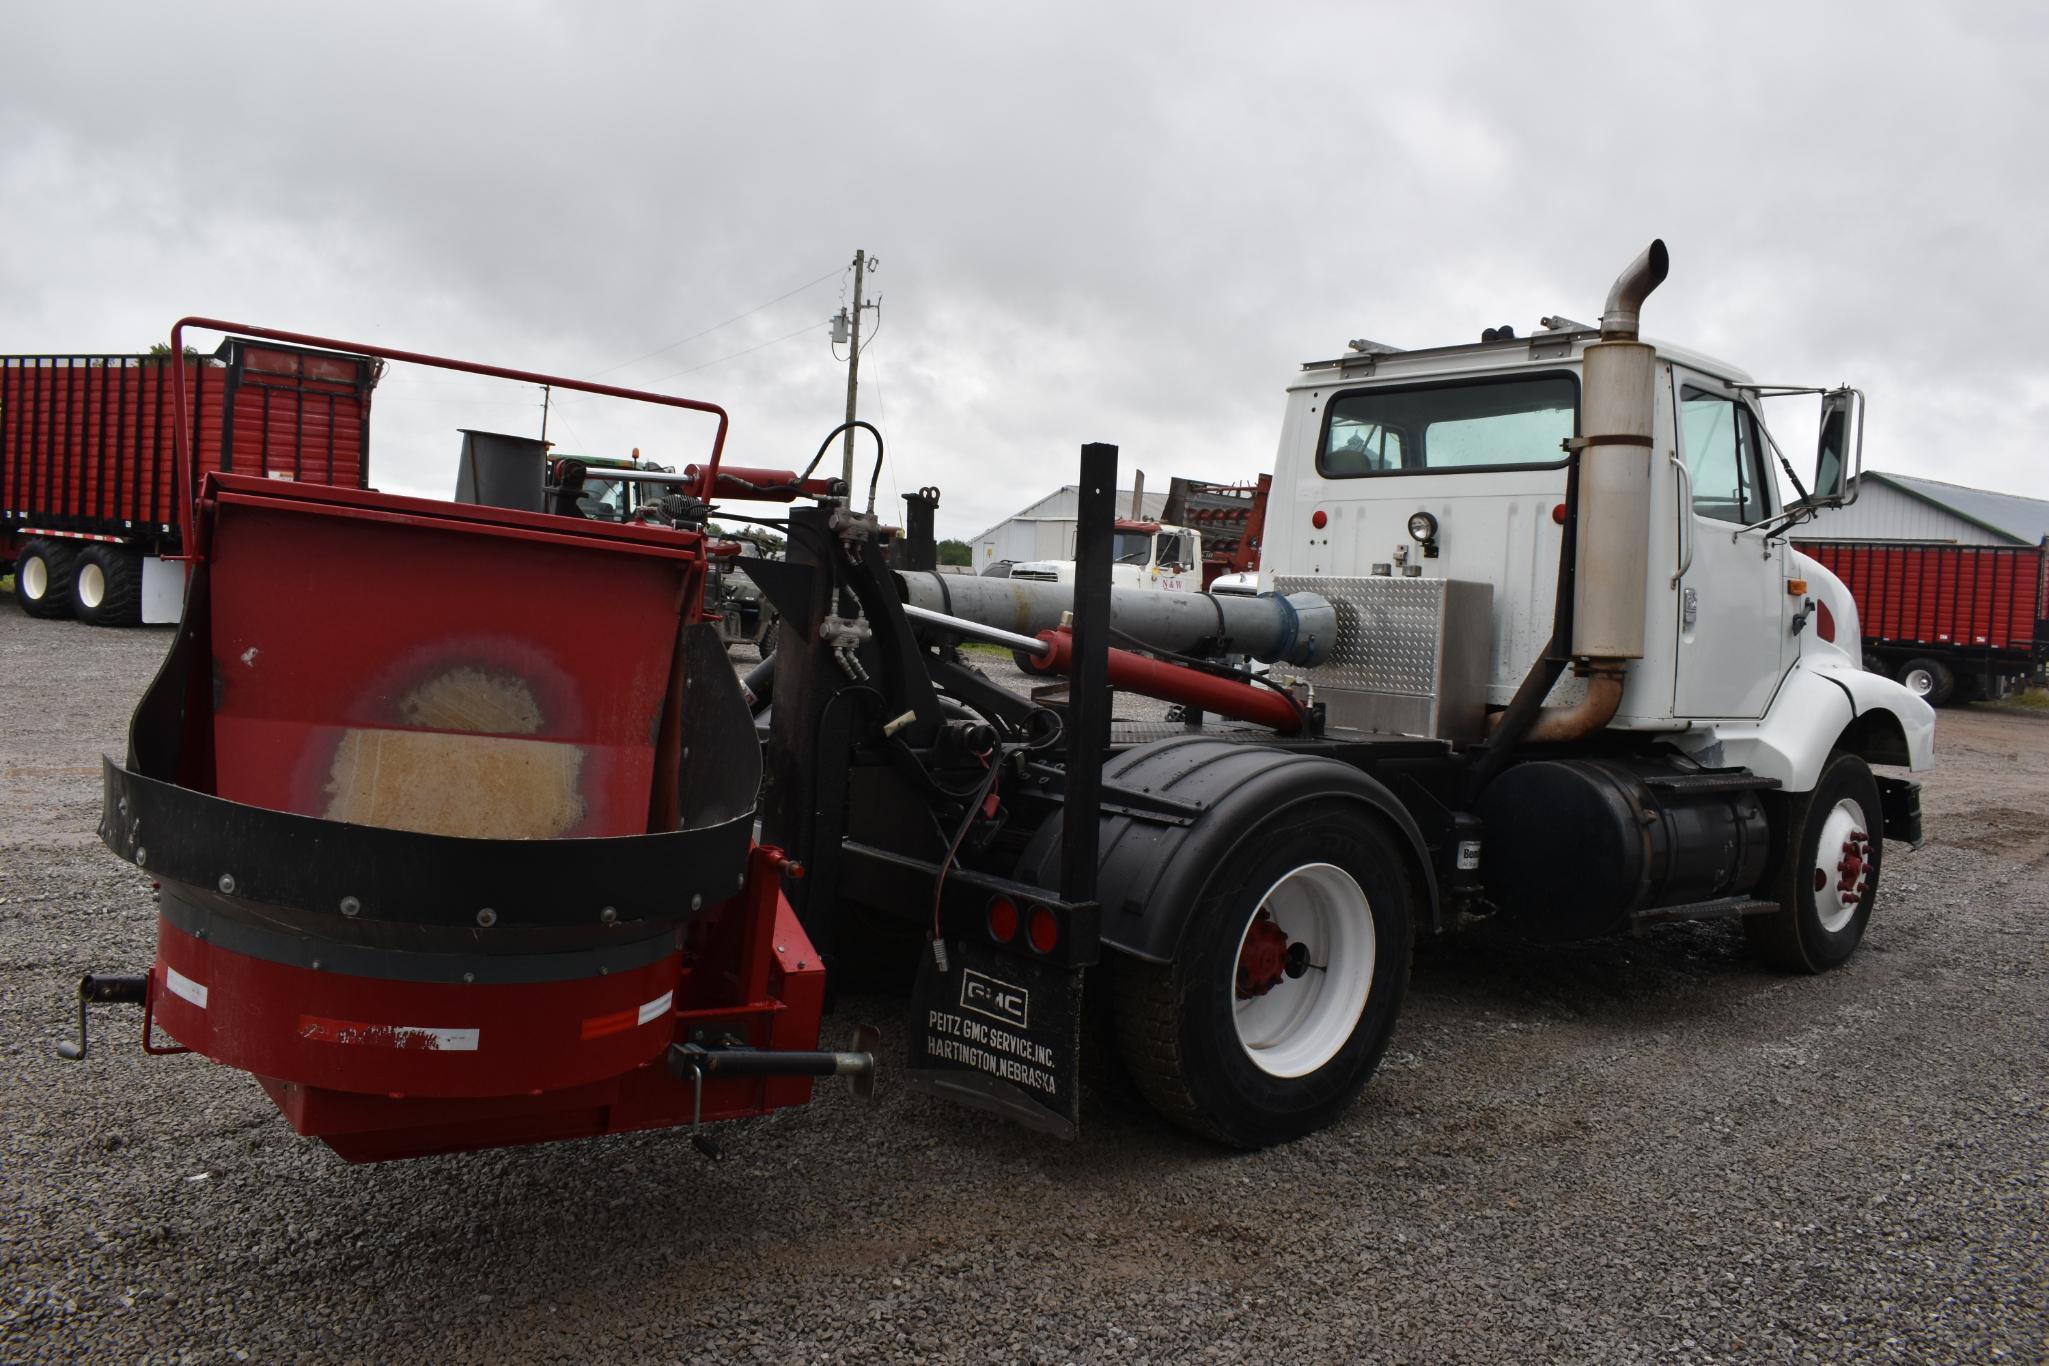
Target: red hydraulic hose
(1178,683)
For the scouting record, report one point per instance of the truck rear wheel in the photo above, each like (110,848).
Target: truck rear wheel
(42,577)
(1826,849)
(1278,1007)
(1928,679)
(106,586)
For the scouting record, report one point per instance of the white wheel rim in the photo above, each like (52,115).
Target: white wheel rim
(92,585)
(1920,682)
(1300,1023)
(1842,865)
(35,577)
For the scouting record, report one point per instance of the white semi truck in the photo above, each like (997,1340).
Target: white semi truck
(1539,652)
(1546,656)
(1145,555)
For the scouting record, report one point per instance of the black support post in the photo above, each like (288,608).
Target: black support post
(803,799)
(1088,710)
(917,550)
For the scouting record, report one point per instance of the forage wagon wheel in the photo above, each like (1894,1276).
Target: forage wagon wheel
(764,631)
(1826,849)
(106,588)
(1291,974)
(1928,679)
(43,573)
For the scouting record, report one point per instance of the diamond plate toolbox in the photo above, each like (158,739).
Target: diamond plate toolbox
(1412,654)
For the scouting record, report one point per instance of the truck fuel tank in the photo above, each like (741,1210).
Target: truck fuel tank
(1576,848)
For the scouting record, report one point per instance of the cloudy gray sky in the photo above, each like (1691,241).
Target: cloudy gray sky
(1095,222)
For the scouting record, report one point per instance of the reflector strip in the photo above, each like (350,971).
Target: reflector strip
(184,987)
(427,1037)
(619,1021)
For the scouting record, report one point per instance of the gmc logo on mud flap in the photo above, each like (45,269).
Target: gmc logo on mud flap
(997,1000)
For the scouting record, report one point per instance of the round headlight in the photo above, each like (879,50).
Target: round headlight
(1423,527)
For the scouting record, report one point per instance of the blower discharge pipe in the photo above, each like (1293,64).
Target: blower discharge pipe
(1618,408)
(1297,629)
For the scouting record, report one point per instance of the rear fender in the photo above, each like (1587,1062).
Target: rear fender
(1205,798)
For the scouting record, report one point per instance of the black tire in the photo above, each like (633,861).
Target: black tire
(1809,932)
(43,571)
(1177,1023)
(106,586)
(1929,679)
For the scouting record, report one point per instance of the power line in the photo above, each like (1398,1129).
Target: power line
(664,350)
(882,411)
(787,336)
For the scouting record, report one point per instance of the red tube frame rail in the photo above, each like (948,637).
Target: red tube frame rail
(182,432)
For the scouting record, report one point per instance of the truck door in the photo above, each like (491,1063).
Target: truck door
(1733,614)
(1173,568)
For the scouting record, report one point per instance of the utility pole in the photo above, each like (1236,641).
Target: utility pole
(861,264)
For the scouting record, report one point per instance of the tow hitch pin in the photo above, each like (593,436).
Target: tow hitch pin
(694,1063)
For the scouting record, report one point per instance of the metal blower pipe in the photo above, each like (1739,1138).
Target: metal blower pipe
(1297,629)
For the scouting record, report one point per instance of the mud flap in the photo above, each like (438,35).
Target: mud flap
(1000,1033)
(1900,801)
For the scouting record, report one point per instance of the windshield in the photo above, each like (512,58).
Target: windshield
(603,500)
(1514,421)
(1132,547)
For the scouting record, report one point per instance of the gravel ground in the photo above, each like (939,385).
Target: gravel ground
(1634,1150)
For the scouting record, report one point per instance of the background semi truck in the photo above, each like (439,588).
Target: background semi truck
(1207,531)
(94,506)
(1951,622)
(457,870)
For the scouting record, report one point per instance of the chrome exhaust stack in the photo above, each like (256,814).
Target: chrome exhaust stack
(1631,288)
(1618,411)
(1618,405)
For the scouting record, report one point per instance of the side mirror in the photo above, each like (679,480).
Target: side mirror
(1839,449)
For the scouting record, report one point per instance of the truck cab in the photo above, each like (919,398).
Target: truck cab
(1147,555)
(1452,463)
(590,484)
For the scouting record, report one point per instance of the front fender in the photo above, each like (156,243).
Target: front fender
(1824,705)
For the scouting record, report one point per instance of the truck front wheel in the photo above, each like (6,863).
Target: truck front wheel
(1290,977)
(1826,849)
(42,577)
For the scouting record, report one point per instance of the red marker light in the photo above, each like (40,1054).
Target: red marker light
(1558,514)
(1824,621)
(1002,920)
(1319,519)
(1045,929)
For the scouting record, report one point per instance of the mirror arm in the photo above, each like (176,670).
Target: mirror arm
(1784,463)
(1853,482)
(1783,520)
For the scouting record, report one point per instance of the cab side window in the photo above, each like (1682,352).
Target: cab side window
(1360,447)
(1721,455)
